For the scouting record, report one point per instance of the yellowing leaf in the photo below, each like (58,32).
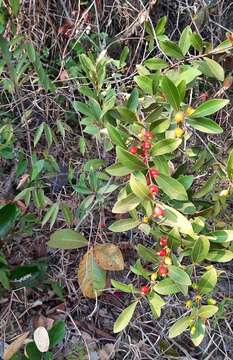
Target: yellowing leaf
(91,278)
(41,338)
(108,257)
(15,346)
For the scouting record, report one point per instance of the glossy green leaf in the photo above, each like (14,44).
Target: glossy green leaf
(115,135)
(209,107)
(118,170)
(179,327)
(133,100)
(215,69)
(159,126)
(145,83)
(124,225)
(205,125)
(206,187)
(67,239)
(178,275)
(139,187)
(171,49)
(124,318)
(230,165)
(175,219)
(156,303)
(8,215)
(208,281)
(196,41)
(166,287)
(200,249)
(220,236)
(38,133)
(129,160)
(198,335)
(171,92)
(127,115)
(165,146)
(51,215)
(172,187)
(185,40)
(156,64)
(207,311)
(123,287)
(126,204)
(37,168)
(160,26)
(220,255)
(57,333)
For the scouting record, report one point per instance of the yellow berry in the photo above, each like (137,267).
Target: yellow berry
(179,117)
(189,111)
(179,132)
(146,219)
(211,301)
(167,260)
(223,193)
(189,304)
(194,286)
(193,330)
(198,298)
(154,276)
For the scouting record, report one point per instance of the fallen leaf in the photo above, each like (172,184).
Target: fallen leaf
(15,346)
(109,257)
(42,321)
(64,75)
(22,180)
(41,338)
(91,278)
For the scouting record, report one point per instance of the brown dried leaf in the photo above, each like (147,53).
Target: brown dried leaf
(91,278)
(22,180)
(64,75)
(15,346)
(41,320)
(109,257)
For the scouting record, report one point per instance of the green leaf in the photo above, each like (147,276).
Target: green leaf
(175,219)
(122,287)
(166,287)
(196,41)
(57,333)
(230,166)
(208,281)
(165,146)
(15,6)
(67,239)
(159,126)
(124,225)
(132,102)
(51,215)
(129,160)
(156,64)
(171,92)
(220,255)
(205,125)
(145,83)
(38,133)
(199,332)
(207,311)
(178,275)
(4,279)
(209,107)
(215,69)
(115,135)
(8,215)
(31,52)
(139,188)
(160,26)
(179,327)
(207,187)
(126,204)
(156,303)
(37,168)
(188,76)
(171,187)
(127,115)
(171,49)
(221,236)
(185,40)
(200,249)
(147,254)
(83,108)
(124,318)
(118,170)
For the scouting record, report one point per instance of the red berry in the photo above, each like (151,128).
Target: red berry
(158,212)
(146,145)
(163,252)
(154,189)
(144,153)
(162,270)
(133,150)
(154,173)
(148,135)
(145,290)
(163,241)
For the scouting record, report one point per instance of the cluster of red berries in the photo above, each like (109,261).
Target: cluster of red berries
(162,269)
(144,146)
